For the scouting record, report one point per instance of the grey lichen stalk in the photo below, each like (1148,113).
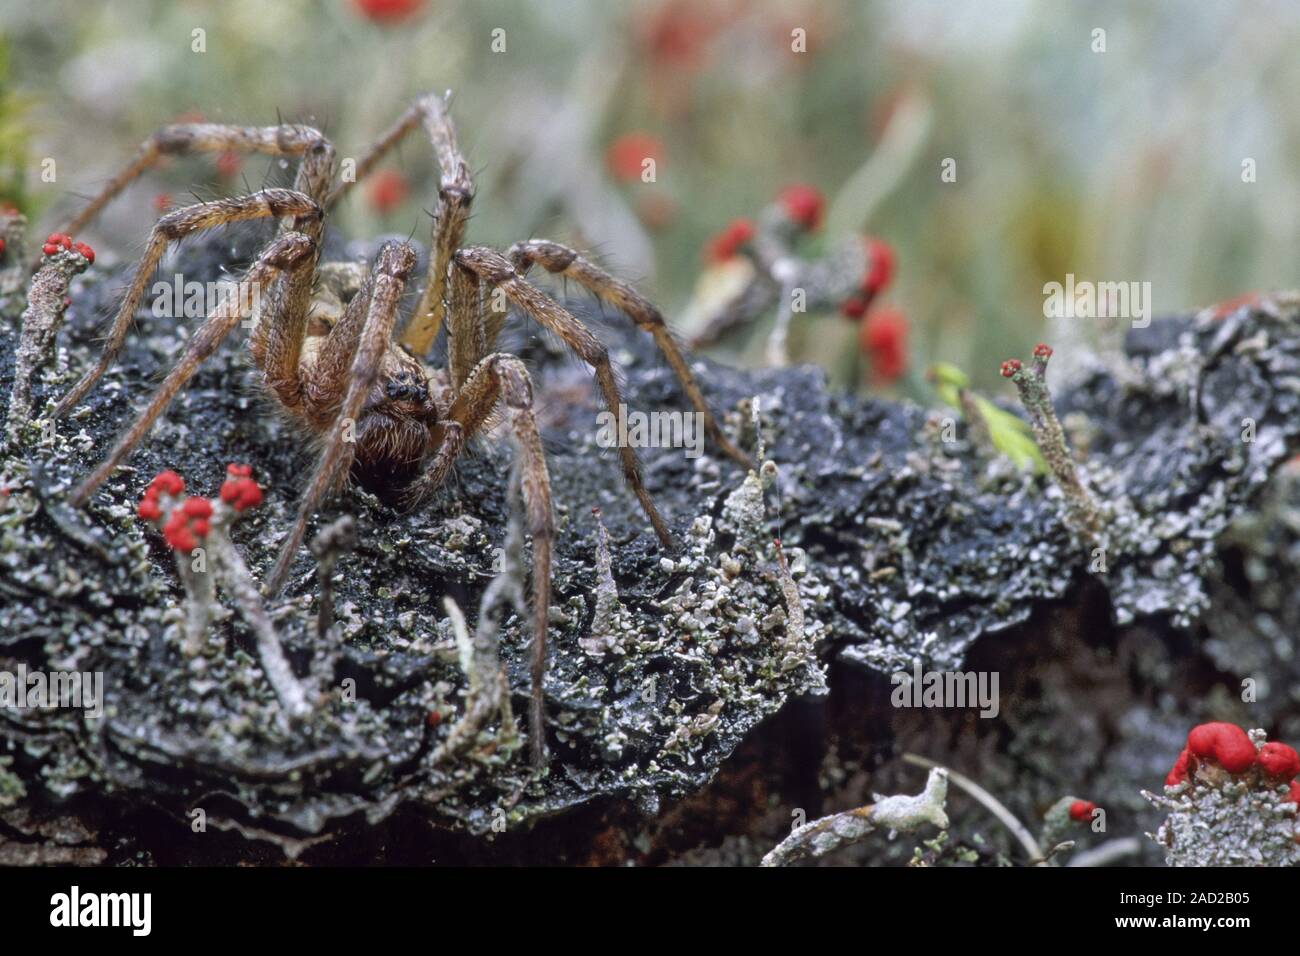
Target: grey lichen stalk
(47,301)
(1082,514)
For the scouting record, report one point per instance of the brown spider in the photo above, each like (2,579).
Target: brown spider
(377,412)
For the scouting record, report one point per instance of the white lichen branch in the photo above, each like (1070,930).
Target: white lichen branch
(609,620)
(1108,853)
(243,588)
(896,814)
(488,693)
(992,805)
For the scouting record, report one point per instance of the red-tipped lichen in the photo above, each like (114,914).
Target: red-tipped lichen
(388,189)
(167,483)
(1081,811)
(626,156)
(728,243)
(1228,747)
(241,493)
(239,490)
(387,11)
(1225,744)
(880,267)
(876,277)
(882,338)
(1231,800)
(1279,761)
(186,524)
(802,205)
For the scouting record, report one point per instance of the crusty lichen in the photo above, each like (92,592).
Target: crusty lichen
(11,788)
(1253,621)
(899,549)
(725,620)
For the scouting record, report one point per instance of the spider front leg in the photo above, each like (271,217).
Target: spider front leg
(274,203)
(285,254)
(368,345)
(455,194)
(561,260)
(313,175)
(493,268)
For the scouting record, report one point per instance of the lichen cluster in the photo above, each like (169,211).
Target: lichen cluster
(1221,818)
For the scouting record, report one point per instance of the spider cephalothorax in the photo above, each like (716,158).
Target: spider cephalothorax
(397,429)
(323,338)
(397,424)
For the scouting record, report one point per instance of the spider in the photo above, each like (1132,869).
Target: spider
(377,412)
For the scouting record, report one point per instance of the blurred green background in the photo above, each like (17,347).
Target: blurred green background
(1116,165)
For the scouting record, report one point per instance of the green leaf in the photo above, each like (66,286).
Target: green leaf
(1010,434)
